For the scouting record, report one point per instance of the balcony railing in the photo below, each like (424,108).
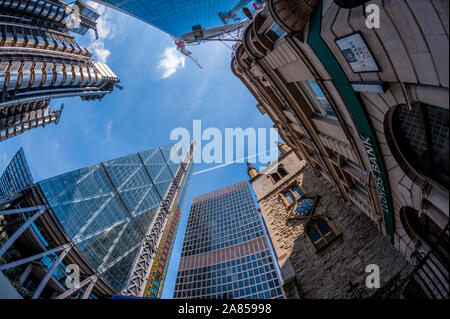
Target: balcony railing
(429,278)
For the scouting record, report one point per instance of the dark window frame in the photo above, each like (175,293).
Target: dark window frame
(325,238)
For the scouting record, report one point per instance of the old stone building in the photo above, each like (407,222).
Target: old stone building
(323,245)
(366,105)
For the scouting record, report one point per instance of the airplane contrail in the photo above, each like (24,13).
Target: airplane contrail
(233,162)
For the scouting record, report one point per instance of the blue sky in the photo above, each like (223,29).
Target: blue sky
(162,91)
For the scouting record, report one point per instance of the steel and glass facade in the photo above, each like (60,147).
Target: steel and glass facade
(178,17)
(109,209)
(225,252)
(154,286)
(41,60)
(16,176)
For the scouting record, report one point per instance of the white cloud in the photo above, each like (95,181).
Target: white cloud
(171,62)
(105,31)
(109,131)
(100,53)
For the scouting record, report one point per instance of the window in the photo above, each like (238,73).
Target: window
(279,174)
(289,197)
(420,138)
(297,191)
(421,227)
(319,102)
(361,187)
(320,232)
(275,32)
(354,165)
(292,194)
(275,177)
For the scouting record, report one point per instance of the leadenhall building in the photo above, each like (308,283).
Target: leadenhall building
(366,104)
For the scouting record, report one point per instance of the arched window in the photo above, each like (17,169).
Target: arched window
(433,262)
(420,138)
(424,228)
(320,232)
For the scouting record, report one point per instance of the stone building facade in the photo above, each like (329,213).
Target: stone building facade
(366,107)
(328,271)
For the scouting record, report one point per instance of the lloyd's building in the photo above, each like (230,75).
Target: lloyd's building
(40,60)
(99,231)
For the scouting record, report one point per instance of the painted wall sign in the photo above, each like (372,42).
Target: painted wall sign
(357,53)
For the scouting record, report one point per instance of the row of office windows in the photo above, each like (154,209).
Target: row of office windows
(217,230)
(246,277)
(217,216)
(250,277)
(226,264)
(234,239)
(222,222)
(237,272)
(259,291)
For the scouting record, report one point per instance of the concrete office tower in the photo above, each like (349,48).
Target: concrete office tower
(367,108)
(115,222)
(225,252)
(40,60)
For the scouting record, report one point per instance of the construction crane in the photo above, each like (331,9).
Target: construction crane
(227,33)
(182,48)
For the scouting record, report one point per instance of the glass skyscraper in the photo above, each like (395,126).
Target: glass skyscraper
(225,252)
(111,211)
(178,17)
(16,176)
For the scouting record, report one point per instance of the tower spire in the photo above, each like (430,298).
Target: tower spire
(283,148)
(251,171)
